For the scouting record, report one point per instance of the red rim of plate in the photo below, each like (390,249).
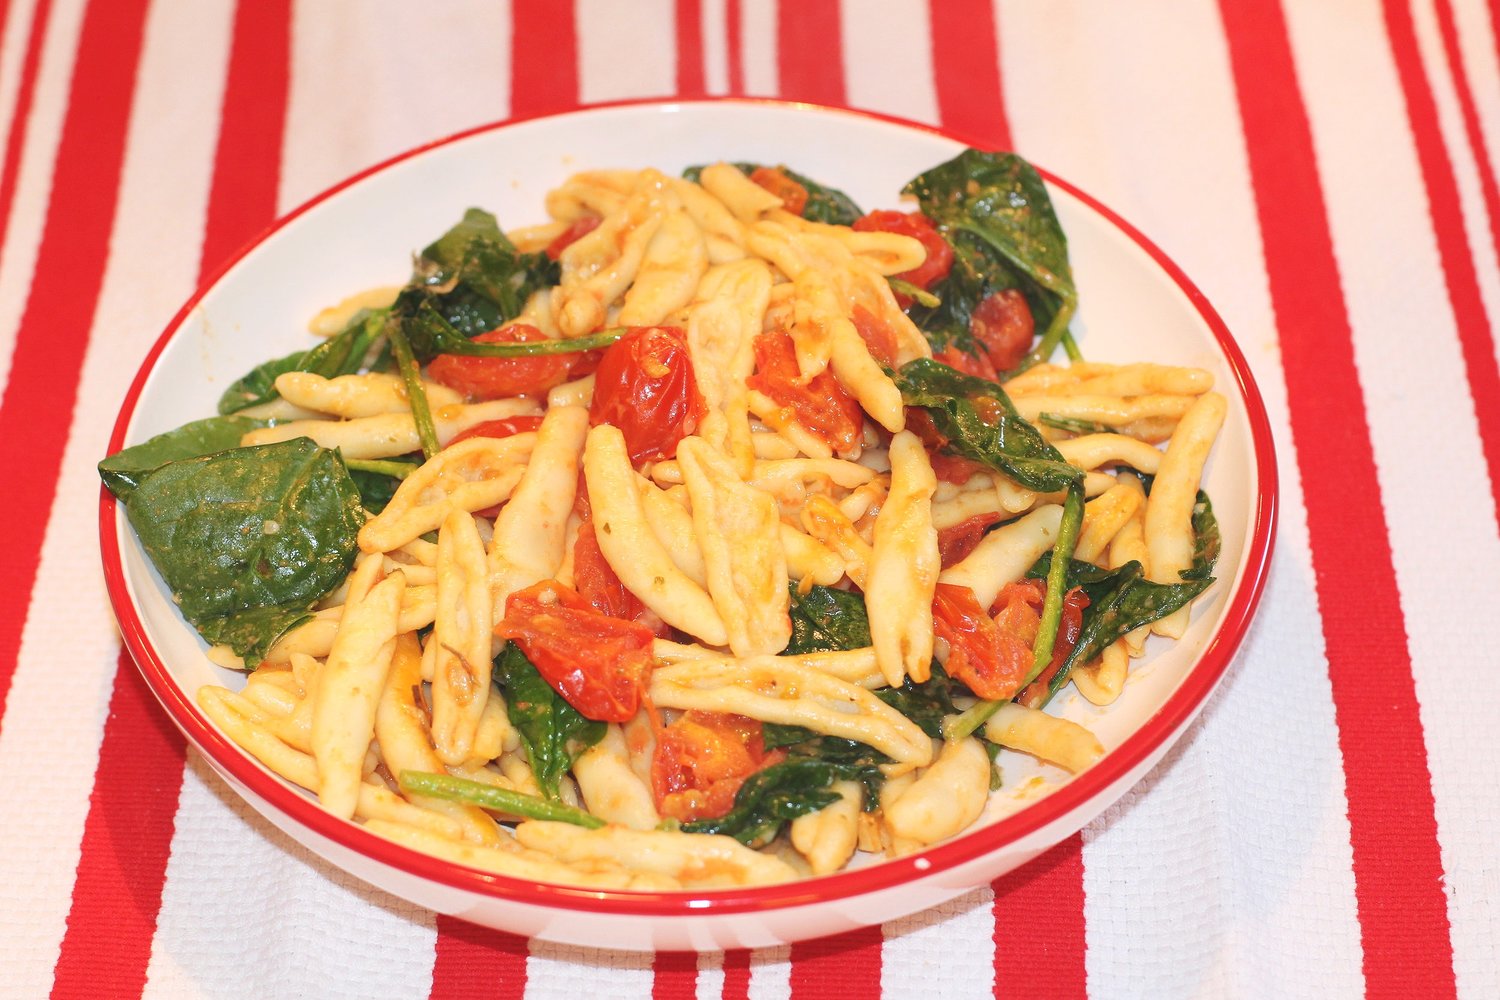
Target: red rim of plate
(1200,682)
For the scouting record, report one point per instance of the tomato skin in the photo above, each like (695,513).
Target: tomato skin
(701,760)
(597,663)
(1004,325)
(503,428)
(497,378)
(948,467)
(916,225)
(645,386)
(970,364)
(992,662)
(822,405)
(956,541)
(775,180)
(577,229)
(879,339)
(1069,628)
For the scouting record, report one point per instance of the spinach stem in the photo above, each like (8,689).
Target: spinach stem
(411,374)
(1071,346)
(382,467)
(443,786)
(532,348)
(1045,347)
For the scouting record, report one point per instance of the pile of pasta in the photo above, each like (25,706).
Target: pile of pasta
(393,673)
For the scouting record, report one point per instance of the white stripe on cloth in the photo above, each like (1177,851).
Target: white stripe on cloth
(1432,473)
(1480,53)
(69,647)
(17,37)
(250,912)
(626,57)
(373,78)
(567,972)
(33,181)
(758,45)
(710,982)
(770,973)
(1233,856)
(715,47)
(1461,155)
(888,59)
(947,951)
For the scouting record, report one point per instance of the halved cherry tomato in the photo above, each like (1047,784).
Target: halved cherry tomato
(956,541)
(579,227)
(702,759)
(1069,628)
(503,428)
(879,339)
(821,405)
(775,180)
(496,378)
(970,364)
(1003,324)
(992,662)
(645,386)
(914,224)
(597,663)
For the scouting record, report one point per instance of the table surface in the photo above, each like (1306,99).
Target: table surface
(1325,170)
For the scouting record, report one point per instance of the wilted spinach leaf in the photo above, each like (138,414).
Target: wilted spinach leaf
(1001,440)
(824,204)
(473,279)
(341,354)
(995,210)
(1206,540)
(124,470)
(795,787)
(826,620)
(925,703)
(554,732)
(249,535)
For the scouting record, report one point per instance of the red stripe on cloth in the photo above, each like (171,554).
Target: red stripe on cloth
(127,839)
(1474,334)
(543,59)
(37,405)
(734,43)
(810,51)
(736,975)
(966,53)
(247,164)
(1397,868)
(839,967)
(1039,927)
(689,18)
(474,961)
(1448,28)
(676,976)
(20,119)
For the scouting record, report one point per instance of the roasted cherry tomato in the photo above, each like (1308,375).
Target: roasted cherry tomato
(1003,324)
(579,227)
(879,339)
(993,663)
(970,364)
(702,759)
(956,541)
(645,386)
(775,180)
(597,663)
(497,429)
(1069,628)
(821,405)
(916,225)
(496,378)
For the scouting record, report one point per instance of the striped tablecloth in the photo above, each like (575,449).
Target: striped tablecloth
(1325,170)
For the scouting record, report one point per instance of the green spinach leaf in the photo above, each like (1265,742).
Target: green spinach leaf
(554,732)
(925,703)
(342,354)
(995,211)
(1206,540)
(782,792)
(826,620)
(124,470)
(824,204)
(249,539)
(1003,441)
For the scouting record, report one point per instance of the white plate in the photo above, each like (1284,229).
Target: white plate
(1135,305)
